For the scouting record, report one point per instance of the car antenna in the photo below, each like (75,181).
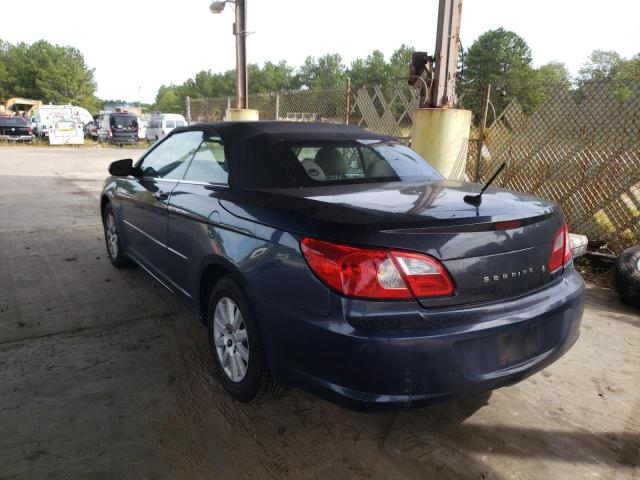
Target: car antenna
(477,199)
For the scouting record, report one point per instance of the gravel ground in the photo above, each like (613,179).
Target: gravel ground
(106,375)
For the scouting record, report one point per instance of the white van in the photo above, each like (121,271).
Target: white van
(161,124)
(44,116)
(66,132)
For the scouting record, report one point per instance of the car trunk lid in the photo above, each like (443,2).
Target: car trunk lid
(498,249)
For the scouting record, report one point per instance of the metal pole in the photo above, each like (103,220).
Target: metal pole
(277,106)
(187,102)
(443,93)
(347,101)
(240,31)
(483,126)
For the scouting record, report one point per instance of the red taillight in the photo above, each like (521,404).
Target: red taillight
(508,225)
(110,132)
(376,273)
(567,245)
(425,275)
(561,249)
(30,130)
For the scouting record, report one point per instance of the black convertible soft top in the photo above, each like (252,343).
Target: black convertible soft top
(237,132)
(252,153)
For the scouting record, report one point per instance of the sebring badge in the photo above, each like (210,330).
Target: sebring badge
(507,276)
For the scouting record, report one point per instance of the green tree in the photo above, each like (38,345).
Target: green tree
(602,65)
(48,72)
(167,100)
(554,74)
(4,48)
(327,71)
(502,58)
(399,61)
(609,67)
(373,70)
(626,81)
(271,77)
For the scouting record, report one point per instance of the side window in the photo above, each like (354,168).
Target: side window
(179,123)
(209,164)
(171,157)
(170,124)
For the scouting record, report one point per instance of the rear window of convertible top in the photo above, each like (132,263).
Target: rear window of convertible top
(356,161)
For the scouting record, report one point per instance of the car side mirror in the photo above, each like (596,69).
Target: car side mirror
(121,168)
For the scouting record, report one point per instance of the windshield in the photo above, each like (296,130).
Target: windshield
(14,121)
(358,161)
(124,121)
(65,125)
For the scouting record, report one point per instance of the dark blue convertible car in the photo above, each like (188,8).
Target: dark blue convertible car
(338,260)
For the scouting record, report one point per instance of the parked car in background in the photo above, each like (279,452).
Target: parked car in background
(336,259)
(91,130)
(15,129)
(118,128)
(160,125)
(66,132)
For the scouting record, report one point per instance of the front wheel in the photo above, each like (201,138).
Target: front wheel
(236,346)
(112,239)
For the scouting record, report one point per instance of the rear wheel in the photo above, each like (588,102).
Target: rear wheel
(112,239)
(236,346)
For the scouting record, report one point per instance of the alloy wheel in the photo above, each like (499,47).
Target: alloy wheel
(111,232)
(230,339)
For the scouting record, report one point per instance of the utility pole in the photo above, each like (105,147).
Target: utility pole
(443,92)
(440,133)
(240,31)
(241,112)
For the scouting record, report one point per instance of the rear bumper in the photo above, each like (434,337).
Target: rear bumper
(17,138)
(420,354)
(123,140)
(66,140)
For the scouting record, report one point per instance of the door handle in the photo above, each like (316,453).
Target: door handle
(160,195)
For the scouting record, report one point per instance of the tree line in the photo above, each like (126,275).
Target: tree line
(325,72)
(499,57)
(47,72)
(59,74)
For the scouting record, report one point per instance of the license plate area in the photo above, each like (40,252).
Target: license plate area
(519,345)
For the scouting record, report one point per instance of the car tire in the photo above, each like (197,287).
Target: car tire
(112,239)
(628,276)
(237,350)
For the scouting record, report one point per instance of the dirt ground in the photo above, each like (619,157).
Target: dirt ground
(103,374)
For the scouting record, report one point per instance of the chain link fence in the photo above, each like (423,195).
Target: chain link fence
(299,105)
(579,148)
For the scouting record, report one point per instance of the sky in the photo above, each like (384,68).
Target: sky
(137,45)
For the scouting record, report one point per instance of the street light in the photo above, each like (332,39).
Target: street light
(240,31)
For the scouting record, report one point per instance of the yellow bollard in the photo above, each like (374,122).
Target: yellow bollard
(441,137)
(241,115)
